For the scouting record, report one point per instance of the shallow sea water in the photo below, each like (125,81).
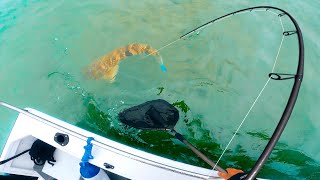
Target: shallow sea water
(213,77)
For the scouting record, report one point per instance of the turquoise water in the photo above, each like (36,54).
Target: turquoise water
(213,77)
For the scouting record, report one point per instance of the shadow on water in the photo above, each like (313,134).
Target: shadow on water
(284,162)
(164,144)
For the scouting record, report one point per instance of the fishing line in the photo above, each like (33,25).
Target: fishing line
(274,65)
(265,85)
(243,120)
(157,50)
(209,24)
(281,24)
(197,30)
(253,104)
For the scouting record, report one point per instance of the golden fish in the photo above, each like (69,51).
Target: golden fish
(107,66)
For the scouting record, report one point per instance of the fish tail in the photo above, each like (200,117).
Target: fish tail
(93,70)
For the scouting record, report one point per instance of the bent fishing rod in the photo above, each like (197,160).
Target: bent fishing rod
(275,76)
(298,76)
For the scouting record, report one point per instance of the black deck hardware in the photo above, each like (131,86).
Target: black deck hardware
(108,166)
(62,139)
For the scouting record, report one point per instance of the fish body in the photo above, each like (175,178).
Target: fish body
(107,66)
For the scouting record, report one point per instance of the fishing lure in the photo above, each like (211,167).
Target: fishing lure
(107,66)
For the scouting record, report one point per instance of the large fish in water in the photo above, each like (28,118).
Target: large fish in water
(107,66)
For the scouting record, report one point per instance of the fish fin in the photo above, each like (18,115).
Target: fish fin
(111,74)
(113,80)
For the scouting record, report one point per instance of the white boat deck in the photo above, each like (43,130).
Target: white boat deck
(127,161)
